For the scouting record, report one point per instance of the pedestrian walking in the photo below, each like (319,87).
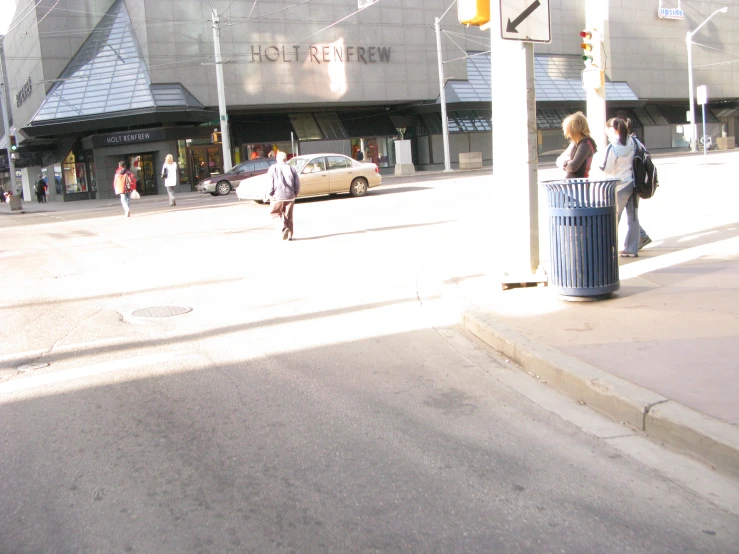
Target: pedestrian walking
(618,162)
(124,183)
(39,188)
(169,174)
(283,188)
(2,196)
(643,236)
(578,156)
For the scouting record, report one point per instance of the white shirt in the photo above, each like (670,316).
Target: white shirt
(171,180)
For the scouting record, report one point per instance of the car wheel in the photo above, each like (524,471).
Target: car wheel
(358,187)
(212,194)
(223,188)
(260,201)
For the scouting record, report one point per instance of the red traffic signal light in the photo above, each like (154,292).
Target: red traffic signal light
(587,46)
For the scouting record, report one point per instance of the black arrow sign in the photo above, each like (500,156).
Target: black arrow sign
(511,28)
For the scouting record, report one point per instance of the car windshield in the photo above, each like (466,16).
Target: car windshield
(297,163)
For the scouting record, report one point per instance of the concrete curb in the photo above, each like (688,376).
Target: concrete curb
(707,438)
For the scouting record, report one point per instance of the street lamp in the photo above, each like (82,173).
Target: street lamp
(689,42)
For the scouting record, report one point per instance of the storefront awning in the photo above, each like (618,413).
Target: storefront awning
(367,124)
(557,79)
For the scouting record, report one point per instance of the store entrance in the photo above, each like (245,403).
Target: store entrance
(142,166)
(204,161)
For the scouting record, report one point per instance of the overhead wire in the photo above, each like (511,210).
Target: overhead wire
(11,27)
(231,4)
(260,16)
(337,22)
(455,43)
(44,17)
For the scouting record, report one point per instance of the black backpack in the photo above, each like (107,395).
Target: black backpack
(645,174)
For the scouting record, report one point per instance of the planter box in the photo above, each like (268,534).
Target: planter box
(470,160)
(725,143)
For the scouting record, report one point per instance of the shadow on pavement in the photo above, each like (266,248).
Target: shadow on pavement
(391,228)
(136,344)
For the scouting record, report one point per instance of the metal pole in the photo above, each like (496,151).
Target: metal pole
(705,155)
(444,120)
(225,137)
(693,128)
(6,124)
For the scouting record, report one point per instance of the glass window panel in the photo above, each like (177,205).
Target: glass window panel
(315,165)
(331,125)
(338,162)
(305,127)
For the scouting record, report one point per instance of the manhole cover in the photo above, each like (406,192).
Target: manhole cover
(32,367)
(161,311)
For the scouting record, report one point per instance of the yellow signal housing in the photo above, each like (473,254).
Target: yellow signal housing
(473,12)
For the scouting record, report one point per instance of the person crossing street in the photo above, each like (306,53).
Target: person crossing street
(283,188)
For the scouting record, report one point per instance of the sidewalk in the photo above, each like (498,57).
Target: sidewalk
(33,207)
(661,355)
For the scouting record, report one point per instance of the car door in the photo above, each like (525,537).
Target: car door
(314,178)
(341,172)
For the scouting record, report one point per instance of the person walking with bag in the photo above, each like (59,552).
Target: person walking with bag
(578,157)
(643,236)
(618,162)
(282,189)
(124,183)
(169,174)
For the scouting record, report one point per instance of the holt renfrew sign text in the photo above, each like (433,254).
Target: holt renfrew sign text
(323,53)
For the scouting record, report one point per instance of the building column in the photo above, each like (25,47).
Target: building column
(29,176)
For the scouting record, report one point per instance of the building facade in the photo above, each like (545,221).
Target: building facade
(93,82)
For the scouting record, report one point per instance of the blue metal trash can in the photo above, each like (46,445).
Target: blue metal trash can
(583,242)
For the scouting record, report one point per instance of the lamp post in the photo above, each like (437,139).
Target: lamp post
(442,96)
(689,42)
(225,136)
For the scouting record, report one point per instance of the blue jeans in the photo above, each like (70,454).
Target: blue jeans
(126,200)
(626,198)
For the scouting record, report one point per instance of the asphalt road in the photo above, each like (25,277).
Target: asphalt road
(308,402)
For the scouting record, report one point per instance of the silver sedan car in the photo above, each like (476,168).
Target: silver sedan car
(320,174)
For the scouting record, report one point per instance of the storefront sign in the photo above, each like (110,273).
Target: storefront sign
(323,53)
(130,137)
(671,13)
(24,93)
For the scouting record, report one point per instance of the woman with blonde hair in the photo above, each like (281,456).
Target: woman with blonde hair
(169,174)
(578,157)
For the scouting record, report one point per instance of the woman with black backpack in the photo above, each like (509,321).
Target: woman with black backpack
(618,163)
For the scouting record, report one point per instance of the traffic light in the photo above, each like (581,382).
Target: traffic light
(587,46)
(13,144)
(473,12)
(592,48)
(216,137)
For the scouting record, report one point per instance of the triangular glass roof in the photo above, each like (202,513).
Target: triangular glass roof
(557,79)
(106,75)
